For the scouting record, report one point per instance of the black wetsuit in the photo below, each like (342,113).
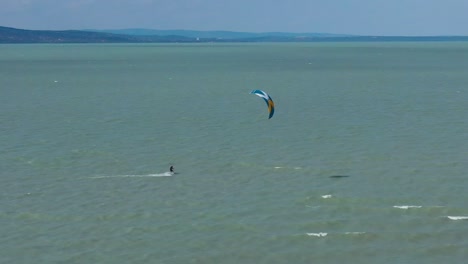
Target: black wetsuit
(171,169)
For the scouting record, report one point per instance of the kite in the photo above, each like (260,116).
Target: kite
(268,100)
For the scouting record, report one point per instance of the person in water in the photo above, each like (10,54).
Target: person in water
(171,169)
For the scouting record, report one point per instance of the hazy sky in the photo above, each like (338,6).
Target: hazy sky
(360,17)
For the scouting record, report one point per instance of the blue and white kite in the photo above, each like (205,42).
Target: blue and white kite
(268,100)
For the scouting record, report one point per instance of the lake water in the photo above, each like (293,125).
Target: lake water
(364,161)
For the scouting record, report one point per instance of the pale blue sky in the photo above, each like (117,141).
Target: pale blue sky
(360,17)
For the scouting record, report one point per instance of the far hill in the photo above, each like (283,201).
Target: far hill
(13,35)
(215,34)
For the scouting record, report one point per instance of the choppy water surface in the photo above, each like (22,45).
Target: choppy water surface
(365,160)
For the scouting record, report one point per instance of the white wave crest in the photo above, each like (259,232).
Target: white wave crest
(457,217)
(326,196)
(406,207)
(321,234)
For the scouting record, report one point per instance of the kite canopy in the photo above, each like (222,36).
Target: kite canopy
(268,100)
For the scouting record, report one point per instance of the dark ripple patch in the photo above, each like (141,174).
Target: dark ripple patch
(339,176)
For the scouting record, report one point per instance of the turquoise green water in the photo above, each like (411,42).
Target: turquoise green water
(88,133)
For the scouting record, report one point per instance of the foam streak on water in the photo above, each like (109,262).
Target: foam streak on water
(165,174)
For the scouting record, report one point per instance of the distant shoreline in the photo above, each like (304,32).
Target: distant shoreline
(23,36)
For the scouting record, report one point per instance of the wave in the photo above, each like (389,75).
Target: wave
(355,233)
(321,234)
(280,167)
(324,234)
(406,207)
(165,174)
(457,217)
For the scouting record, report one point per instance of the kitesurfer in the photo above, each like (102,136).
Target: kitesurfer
(171,169)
